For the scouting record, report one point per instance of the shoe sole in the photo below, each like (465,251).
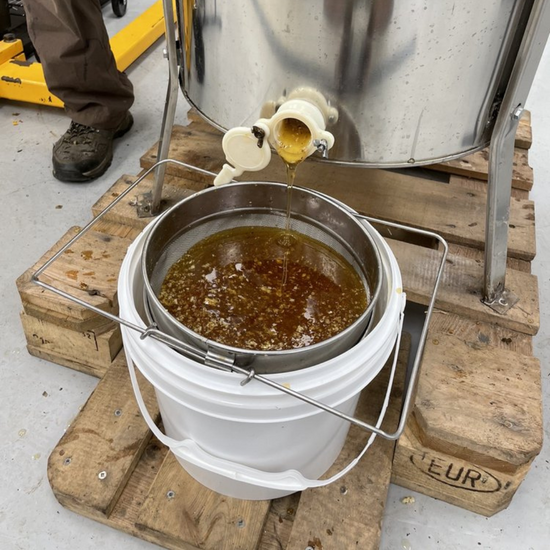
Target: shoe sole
(69,176)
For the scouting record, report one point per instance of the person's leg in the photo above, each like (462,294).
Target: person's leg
(72,43)
(73,46)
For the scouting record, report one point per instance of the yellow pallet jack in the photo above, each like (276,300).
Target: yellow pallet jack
(23,80)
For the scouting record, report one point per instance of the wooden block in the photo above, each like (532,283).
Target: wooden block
(450,479)
(461,286)
(124,213)
(479,403)
(524,134)
(348,513)
(476,165)
(87,270)
(454,211)
(58,359)
(108,436)
(98,349)
(197,516)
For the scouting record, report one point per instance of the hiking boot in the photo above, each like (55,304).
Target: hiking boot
(84,153)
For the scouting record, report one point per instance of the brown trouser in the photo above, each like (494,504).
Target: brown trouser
(70,38)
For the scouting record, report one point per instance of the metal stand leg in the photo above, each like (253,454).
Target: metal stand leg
(149,204)
(501,157)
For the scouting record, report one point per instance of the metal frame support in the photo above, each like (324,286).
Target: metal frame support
(501,156)
(153,200)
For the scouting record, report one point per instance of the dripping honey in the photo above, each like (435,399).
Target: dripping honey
(292,141)
(264,288)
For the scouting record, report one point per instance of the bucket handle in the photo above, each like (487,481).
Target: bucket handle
(290,480)
(250,374)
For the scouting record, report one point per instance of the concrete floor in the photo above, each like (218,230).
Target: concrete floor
(38,400)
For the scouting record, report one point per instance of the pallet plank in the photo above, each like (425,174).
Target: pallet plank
(348,513)
(479,403)
(101,440)
(476,165)
(195,517)
(480,335)
(133,495)
(479,257)
(461,286)
(450,209)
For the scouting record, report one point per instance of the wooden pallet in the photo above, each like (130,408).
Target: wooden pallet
(476,424)
(145,492)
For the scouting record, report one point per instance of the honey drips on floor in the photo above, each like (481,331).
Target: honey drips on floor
(228,287)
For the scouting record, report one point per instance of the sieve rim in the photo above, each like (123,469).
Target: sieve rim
(243,356)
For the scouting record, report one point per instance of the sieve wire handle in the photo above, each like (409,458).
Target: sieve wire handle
(289,480)
(35,277)
(250,374)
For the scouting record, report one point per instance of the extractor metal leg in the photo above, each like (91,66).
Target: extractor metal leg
(501,156)
(499,190)
(149,205)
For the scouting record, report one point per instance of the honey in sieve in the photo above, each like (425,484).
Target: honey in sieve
(263,288)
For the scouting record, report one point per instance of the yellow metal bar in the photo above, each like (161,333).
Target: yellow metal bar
(129,43)
(11,50)
(22,80)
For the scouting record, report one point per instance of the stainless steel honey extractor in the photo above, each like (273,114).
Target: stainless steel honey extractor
(408,83)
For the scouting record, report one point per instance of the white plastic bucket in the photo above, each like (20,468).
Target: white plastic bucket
(253,441)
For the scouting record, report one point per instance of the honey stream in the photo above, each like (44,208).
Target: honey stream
(262,287)
(291,143)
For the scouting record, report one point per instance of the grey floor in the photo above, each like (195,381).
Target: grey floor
(38,400)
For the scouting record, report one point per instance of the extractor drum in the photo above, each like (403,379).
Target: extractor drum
(412,81)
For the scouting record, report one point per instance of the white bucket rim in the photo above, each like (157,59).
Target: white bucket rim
(318,381)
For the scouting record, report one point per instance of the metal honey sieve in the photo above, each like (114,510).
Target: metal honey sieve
(260,204)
